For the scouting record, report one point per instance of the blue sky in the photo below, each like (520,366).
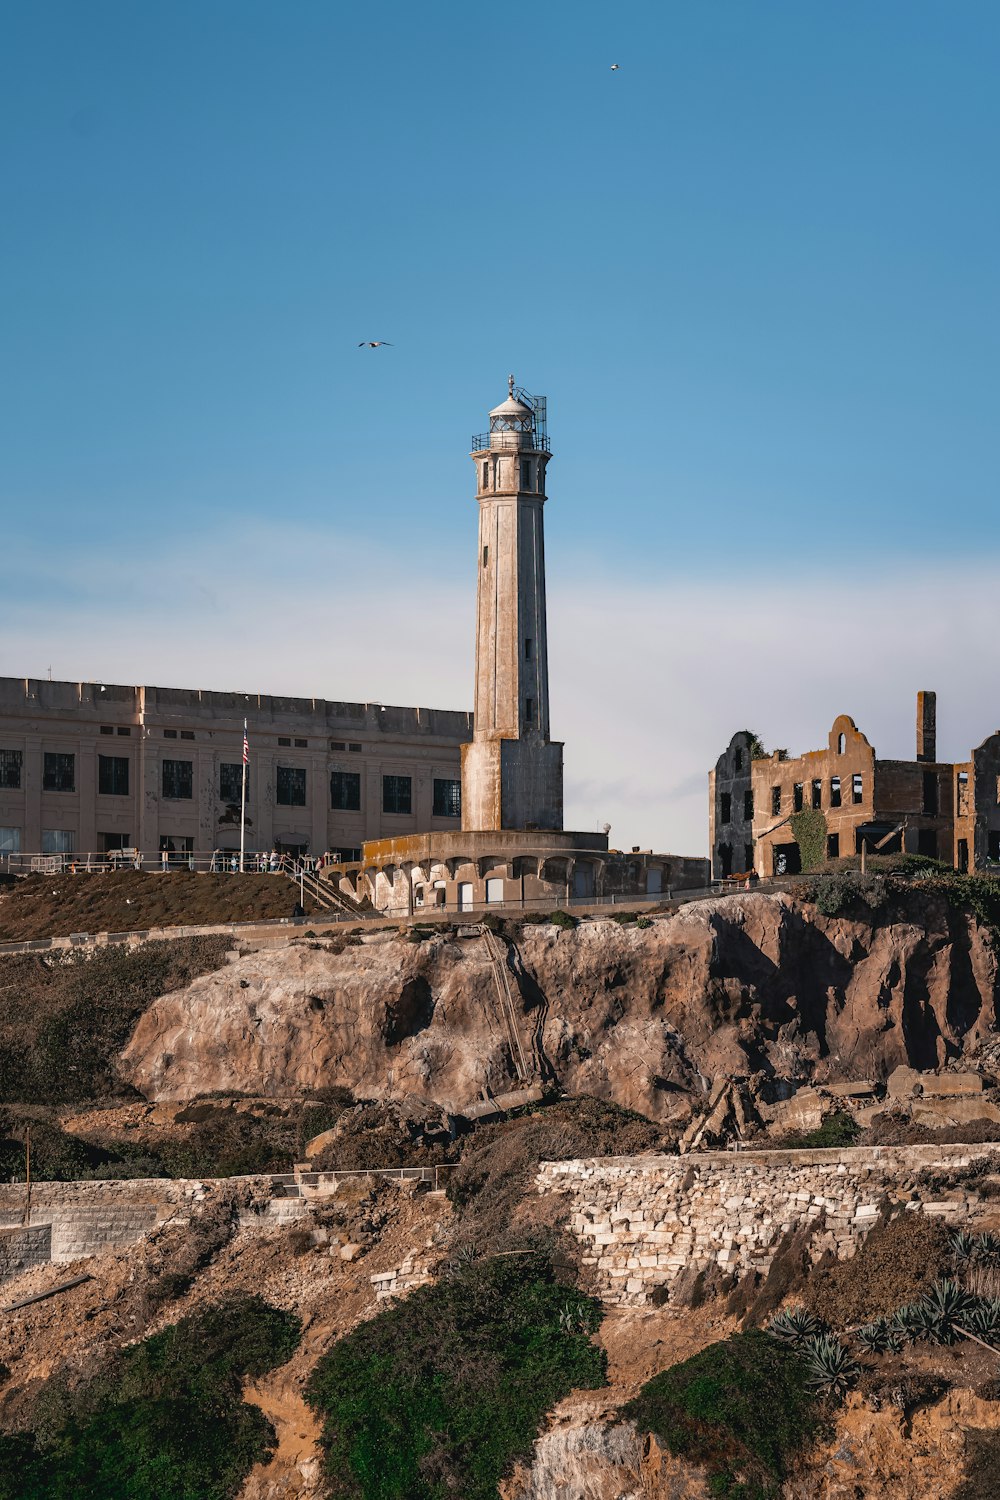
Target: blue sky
(755,271)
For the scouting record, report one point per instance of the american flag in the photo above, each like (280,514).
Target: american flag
(246,744)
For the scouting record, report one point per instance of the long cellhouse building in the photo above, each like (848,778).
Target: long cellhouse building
(89,767)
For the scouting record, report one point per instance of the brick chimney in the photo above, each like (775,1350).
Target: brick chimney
(927,726)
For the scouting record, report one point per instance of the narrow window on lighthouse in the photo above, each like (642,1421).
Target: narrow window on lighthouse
(486,556)
(525,475)
(529,710)
(527,648)
(486,474)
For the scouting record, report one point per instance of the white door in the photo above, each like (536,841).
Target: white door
(465,895)
(494,890)
(654,882)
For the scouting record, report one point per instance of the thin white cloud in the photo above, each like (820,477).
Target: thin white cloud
(649,682)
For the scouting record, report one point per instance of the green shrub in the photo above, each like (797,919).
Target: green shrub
(835,893)
(163,1420)
(838,1129)
(438,1396)
(643,922)
(741,1407)
(64,1022)
(563,919)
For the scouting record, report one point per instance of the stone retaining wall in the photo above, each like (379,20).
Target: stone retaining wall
(21,1249)
(644,1221)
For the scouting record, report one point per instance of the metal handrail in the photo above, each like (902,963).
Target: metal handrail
(510,442)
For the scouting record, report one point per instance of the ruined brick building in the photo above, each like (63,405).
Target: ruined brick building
(948,811)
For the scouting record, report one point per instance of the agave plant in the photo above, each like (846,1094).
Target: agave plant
(910,1323)
(880,1337)
(962,1247)
(831,1369)
(795,1326)
(983,1320)
(944,1308)
(986,1249)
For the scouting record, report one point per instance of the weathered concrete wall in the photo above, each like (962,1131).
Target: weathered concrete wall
(21,1249)
(644,1220)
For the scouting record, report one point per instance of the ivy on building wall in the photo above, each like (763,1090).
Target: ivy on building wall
(809,828)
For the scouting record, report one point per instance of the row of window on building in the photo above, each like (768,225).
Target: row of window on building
(835,799)
(177,783)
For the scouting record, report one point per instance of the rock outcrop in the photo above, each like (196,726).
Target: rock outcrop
(647,1017)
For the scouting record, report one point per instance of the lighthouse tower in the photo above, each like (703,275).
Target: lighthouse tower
(512,775)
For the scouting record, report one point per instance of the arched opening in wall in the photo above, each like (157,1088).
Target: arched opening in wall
(583,881)
(725,860)
(841,743)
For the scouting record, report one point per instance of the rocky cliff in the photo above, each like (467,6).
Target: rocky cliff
(741,985)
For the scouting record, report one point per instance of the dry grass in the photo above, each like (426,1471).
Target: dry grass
(40,906)
(898,1262)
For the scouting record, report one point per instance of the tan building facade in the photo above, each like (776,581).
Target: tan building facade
(93,767)
(940,809)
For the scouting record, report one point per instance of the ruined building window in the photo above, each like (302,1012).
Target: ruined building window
(857,790)
(927,842)
(961,793)
(525,474)
(59,772)
(963,856)
(231,782)
(748,805)
(835,791)
(725,807)
(738,760)
(527,648)
(178,780)
(841,744)
(776,799)
(817,794)
(529,710)
(833,846)
(447,798)
(486,556)
(10,770)
(112,775)
(797,796)
(748,856)
(345,791)
(930,794)
(396,794)
(290,790)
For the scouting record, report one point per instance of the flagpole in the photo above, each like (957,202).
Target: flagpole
(243,796)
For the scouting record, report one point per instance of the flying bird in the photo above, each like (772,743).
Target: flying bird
(615,67)
(374,344)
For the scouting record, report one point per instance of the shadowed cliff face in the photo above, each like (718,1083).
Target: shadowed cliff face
(742,984)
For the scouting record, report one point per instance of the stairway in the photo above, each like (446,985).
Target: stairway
(322,892)
(505,996)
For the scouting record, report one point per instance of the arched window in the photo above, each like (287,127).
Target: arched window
(841,744)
